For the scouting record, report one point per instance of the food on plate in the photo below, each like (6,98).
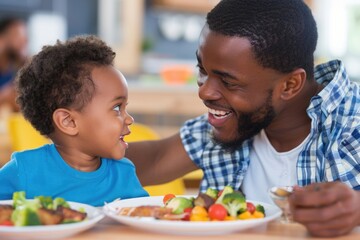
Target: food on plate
(217,212)
(234,202)
(204,200)
(212,192)
(5,212)
(39,211)
(213,205)
(144,211)
(167,197)
(178,204)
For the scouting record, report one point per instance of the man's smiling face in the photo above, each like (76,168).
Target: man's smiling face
(236,89)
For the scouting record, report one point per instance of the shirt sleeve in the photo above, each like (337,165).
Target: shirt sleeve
(348,161)
(9,180)
(195,134)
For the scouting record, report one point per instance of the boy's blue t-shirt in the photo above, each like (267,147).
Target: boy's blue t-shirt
(42,171)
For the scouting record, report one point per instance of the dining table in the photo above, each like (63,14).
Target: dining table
(110,229)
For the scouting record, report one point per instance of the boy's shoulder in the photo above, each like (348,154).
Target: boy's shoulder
(31,153)
(122,162)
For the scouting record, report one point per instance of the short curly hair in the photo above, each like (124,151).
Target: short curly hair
(282,33)
(59,76)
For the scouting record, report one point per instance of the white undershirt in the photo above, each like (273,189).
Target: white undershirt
(269,168)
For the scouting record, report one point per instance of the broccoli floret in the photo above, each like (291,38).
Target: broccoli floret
(46,202)
(19,199)
(60,202)
(226,190)
(49,203)
(25,216)
(260,208)
(234,202)
(25,213)
(212,192)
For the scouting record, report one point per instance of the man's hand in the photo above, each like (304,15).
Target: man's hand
(326,209)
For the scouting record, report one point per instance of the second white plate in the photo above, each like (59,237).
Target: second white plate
(184,227)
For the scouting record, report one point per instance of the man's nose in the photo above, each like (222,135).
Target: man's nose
(209,89)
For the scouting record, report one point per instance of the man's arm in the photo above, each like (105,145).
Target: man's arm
(160,161)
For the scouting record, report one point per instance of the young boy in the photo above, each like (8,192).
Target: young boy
(72,93)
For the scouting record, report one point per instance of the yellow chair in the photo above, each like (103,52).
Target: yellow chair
(22,135)
(141,132)
(195,175)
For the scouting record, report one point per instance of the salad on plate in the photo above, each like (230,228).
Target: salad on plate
(44,218)
(210,213)
(213,205)
(41,210)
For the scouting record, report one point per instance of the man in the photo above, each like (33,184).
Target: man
(13,52)
(272,119)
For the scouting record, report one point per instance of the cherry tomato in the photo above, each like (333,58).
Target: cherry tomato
(217,212)
(187,212)
(7,223)
(167,197)
(250,207)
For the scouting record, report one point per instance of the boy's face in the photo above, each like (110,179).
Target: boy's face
(104,122)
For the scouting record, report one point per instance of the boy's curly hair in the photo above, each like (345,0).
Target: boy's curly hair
(59,76)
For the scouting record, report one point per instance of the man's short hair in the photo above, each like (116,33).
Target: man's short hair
(282,33)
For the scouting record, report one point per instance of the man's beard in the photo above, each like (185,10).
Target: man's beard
(250,124)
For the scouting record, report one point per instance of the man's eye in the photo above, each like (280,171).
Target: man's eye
(228,84)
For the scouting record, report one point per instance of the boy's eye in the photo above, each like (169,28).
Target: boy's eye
(201,69)
(117,108)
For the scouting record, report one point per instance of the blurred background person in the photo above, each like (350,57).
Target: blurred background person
(13,53)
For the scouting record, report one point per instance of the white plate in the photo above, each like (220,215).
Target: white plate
(184,227)
(53,231)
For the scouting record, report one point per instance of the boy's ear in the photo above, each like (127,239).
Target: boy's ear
(65,121)
(293,84)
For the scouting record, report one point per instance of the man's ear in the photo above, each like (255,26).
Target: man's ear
(65,121)
(293,84)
